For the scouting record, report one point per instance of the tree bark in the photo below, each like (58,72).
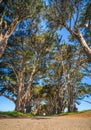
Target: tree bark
(84,44)
(19,101)
(70,98)
(28,94)
(3,44)
(70,95)
(24,95)
(78,35)
(4,37)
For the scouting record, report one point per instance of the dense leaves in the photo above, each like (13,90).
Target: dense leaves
(40,71)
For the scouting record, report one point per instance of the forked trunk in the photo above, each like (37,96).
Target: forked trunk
(24,94)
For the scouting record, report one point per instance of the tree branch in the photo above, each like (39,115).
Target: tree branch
(13,70)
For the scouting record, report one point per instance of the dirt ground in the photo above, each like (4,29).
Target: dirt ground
(68,122)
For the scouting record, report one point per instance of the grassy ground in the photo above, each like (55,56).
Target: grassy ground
(73,113)
(19,114)
(15,114)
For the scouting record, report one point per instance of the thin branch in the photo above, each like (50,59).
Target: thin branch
(12,27)
(13,70)
(87,101)
(12,87)
(70,30)
(76,20)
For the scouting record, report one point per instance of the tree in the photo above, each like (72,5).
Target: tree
(67,14)
(11,13)
(25,61)
(64,78)
(33,54)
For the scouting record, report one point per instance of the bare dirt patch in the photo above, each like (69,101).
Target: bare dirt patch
(80,121)
(46,123)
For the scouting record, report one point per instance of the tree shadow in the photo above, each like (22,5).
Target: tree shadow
(40,118)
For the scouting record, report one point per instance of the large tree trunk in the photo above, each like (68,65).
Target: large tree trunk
(27,99)
(70,99)
(70,95)
(28,94)
(24,97)
(61,105)
(24,94)
(19,101)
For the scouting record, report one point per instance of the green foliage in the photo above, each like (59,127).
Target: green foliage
(17,114)
(85,111)
(13,114)
(73,113)
(44,55)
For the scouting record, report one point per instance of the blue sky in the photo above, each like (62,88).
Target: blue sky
(84,105)
(6,104)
